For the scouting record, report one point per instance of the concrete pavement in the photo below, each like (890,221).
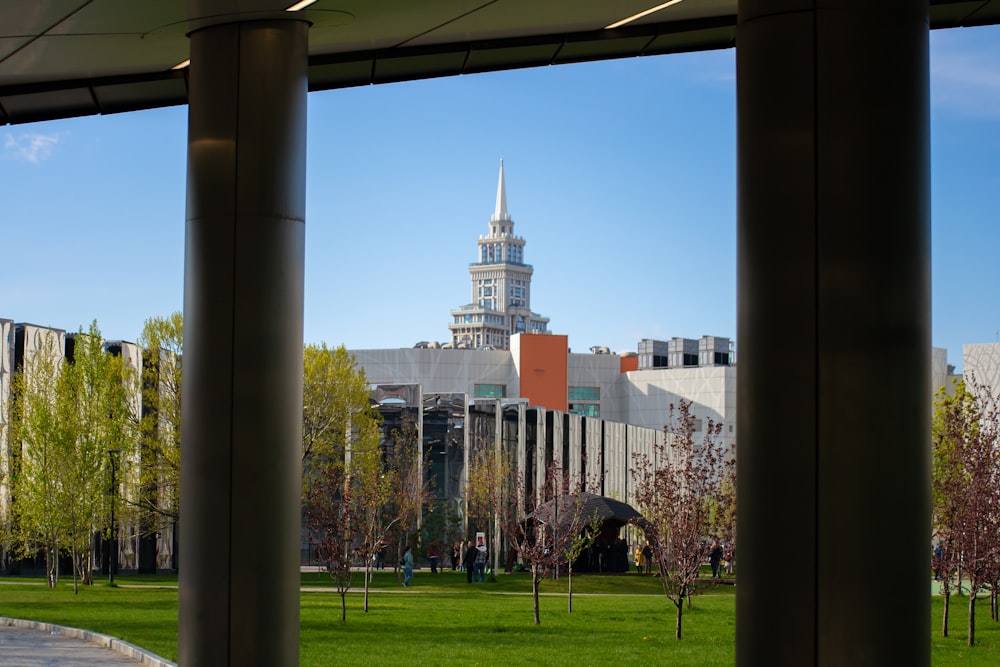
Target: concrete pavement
(32,644)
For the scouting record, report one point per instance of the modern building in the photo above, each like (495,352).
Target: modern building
(982,362)
(500,305)
(541,371)
(833,160)
(452,428)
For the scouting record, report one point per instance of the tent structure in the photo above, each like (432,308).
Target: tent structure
(563,509)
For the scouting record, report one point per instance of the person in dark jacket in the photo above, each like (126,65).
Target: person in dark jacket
(468,559)
(715,558)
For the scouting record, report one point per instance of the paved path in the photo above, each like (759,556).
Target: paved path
(27,644)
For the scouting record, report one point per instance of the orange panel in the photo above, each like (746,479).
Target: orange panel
(543,363)
(628,364)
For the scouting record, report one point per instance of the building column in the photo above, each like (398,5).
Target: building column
(834,331)
(243,295)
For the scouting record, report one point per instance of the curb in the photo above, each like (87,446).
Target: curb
(117,645)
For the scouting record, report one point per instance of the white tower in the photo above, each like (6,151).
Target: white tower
(501,287)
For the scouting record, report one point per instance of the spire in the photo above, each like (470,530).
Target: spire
(500,213)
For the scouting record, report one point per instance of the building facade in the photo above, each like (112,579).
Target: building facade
(500,304)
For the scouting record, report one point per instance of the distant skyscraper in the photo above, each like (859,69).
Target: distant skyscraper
(501,288)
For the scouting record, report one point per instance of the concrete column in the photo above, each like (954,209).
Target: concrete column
(834,332)
(243,294)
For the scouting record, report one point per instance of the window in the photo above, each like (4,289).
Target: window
(585,409)
(584,394)
(490,391)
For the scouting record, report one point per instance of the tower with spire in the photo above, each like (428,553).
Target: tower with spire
(501,287)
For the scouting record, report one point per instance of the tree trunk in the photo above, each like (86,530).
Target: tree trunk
(52,566)
(944,616)
(76,567)
(570,598)
(535,575)
(343,606)
(367,579)
(680,612)
(972,616)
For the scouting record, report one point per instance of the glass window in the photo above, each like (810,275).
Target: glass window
(585,409)
(490,391)
(584,394)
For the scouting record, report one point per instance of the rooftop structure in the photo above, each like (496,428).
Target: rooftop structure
(500,303)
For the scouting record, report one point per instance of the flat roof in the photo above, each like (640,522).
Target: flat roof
(65,58)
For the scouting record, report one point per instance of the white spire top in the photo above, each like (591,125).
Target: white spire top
(500,213)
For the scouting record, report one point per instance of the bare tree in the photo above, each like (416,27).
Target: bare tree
(541,534)
(955,414)
(342,464)
(391,491)
(966,433)
(676,490)
(580,543)
(411,491)
(331,514)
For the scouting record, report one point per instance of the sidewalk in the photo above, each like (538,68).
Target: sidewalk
(32,644)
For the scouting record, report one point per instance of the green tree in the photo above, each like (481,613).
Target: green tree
(334,394)
(343,485)
(162,340)
(97,411)
(36,437)
(68,416)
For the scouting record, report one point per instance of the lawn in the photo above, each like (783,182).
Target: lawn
(623,619)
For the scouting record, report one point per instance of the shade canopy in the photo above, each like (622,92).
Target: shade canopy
(580,508)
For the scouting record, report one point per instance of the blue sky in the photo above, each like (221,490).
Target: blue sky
(621,177)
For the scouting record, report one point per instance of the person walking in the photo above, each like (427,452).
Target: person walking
(715,558)
(468,558)
(432,556)
(407,566)
(480,563)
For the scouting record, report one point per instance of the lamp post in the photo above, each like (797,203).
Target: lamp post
(113,537)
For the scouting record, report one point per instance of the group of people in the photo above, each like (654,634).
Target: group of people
(643,558)
(473,560)
(720,558)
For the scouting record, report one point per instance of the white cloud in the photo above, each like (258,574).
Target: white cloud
(965,74)
(30,146)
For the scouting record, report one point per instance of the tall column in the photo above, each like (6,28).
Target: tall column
(834,331)
(243,295)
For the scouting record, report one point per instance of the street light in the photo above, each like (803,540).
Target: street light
(112,538)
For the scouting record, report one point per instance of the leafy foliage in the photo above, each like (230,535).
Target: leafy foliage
(355,491)
(68,417)
(160,448)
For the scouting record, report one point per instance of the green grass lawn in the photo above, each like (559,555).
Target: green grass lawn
(623,619)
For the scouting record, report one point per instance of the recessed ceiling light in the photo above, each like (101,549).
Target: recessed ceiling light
(636,17)
(301,4)
(182,64)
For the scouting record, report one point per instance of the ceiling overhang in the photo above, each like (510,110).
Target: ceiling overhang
(108,56)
